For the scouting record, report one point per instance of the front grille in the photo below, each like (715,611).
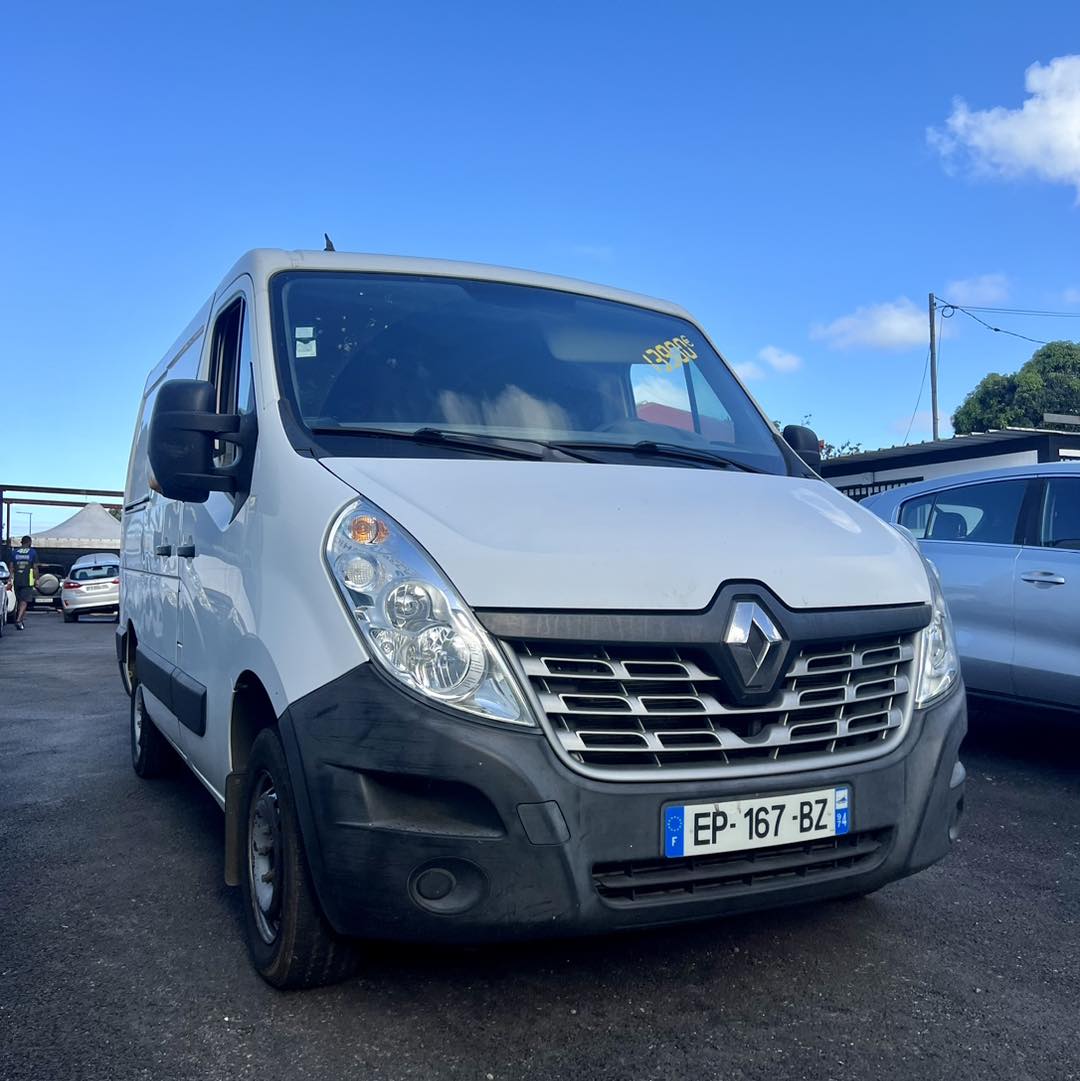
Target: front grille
(642,881)
(622,710)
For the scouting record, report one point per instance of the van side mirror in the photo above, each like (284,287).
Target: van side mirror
(804,442)
(183,428)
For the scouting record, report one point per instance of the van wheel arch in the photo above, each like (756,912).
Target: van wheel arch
(252,712)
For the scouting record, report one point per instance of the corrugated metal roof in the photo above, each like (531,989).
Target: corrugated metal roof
(931,446)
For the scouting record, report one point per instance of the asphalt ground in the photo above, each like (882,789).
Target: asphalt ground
(122,956)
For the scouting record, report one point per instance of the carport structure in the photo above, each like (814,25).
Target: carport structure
(37,495)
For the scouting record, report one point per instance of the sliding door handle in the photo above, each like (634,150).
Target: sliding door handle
(163,550)
(1043,578)
(185,551)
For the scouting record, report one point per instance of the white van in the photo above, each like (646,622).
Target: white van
(488,604)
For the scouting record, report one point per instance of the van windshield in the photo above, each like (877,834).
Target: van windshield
(400,353)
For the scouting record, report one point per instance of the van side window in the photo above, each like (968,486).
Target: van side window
(986,513)
(230,370)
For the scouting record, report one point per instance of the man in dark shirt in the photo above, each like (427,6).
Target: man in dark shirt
(23,566)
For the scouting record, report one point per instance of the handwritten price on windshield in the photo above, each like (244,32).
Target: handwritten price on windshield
(671,354)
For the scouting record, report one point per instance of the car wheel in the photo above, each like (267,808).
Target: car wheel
(151,755)
(290,942)
(70,617)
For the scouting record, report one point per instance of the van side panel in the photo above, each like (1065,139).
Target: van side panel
(151,526)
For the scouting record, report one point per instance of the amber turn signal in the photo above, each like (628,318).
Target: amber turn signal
(366,529)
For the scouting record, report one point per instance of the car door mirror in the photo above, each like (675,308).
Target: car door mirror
(804,442)
(183,428)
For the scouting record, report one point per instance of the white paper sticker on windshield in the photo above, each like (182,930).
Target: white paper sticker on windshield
(305,349)
(304,332)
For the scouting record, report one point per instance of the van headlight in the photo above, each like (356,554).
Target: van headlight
(413,621)
(939,665)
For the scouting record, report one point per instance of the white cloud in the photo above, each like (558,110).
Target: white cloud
(985,289)
(749,371)
(893,324)
(1071,295)
(779,359)
(1041,138)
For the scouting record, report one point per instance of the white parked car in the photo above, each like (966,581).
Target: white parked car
(92,586)
(7,597)
(488,604)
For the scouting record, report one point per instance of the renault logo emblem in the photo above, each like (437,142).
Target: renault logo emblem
(752,640)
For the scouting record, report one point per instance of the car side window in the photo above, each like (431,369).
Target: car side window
(986,513)
(1061,514)
(915,514)
(230,370)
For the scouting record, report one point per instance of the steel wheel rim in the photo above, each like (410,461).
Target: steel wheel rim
(265,858)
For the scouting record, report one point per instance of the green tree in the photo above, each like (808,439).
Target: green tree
(1048,383)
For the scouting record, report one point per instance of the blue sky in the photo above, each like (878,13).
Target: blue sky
(768,166)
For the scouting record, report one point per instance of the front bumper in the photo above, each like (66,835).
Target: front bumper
(422,825)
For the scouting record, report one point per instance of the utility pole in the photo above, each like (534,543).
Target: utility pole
(933,365)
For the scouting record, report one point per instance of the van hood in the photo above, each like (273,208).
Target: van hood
(568,535)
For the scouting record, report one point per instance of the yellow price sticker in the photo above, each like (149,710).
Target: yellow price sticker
(671,354)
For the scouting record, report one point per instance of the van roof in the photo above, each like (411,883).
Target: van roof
(261,263)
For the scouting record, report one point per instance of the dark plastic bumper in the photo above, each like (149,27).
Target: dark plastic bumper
(421,825)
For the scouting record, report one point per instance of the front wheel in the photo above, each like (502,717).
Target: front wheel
(290,942)
(71,617)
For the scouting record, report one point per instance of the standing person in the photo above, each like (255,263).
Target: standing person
(23,567)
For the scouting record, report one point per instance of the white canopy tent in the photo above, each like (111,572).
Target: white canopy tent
(93,527)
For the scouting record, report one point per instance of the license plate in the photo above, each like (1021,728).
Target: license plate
(695,829)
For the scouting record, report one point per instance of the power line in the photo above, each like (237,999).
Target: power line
(1021,311)
(948,309)
(918,400)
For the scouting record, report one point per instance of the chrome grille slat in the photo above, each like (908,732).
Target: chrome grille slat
(633,704)
(541,666)
(620,709)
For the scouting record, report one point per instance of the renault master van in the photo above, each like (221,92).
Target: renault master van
(488,604)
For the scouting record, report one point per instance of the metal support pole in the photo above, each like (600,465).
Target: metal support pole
(933,366)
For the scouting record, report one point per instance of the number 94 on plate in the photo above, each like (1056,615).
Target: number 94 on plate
(695,829)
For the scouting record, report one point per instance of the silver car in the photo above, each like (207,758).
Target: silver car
(91,586)
(1007,546)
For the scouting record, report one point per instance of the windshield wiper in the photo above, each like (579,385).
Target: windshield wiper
(507,445)
(651,448)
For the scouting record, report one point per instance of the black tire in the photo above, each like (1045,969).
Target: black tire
(71,617)
(151,755)
(290,943)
